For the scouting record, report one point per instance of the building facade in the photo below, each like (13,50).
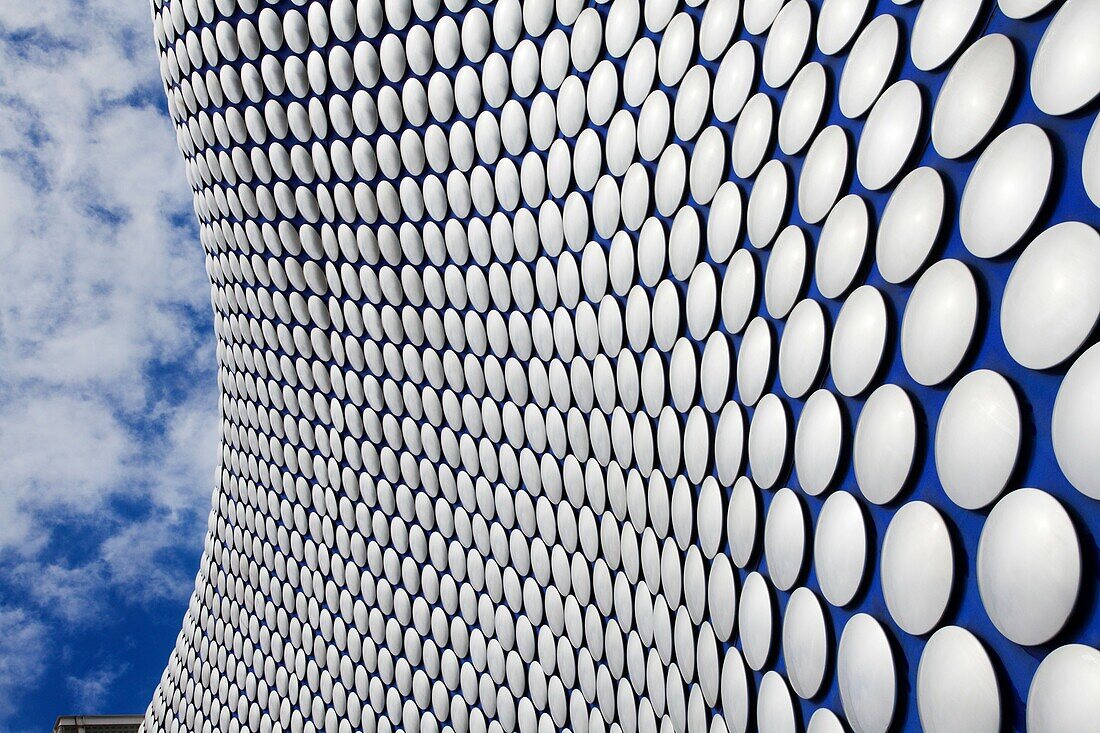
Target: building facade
(644,365)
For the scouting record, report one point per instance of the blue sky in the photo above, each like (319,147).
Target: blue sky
(108,419)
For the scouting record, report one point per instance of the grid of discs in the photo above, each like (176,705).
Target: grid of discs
(628,367)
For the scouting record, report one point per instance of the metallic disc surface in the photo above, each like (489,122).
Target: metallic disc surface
(940,28)
(722,597)
(742,521)
(802,108)
(918,570)
(1022,8)
(735,692)
(859,341)
(978,437)
(1075,425)
(805,642)
(1005,190)
(758,15)
(752,135)
(774,707)
(734,80)
(838,24)
(769,438)
(754,361)
(1029,566)
(725,221)
(910,225)
(739,296)
(768,206)
(717,27)
(889,135)
(973,96)
(842,246)
(692,103)
(939,322)
(1051,303)
(957,687)
(788,39)
(840,548)
(786,272)
(802,348)
(1062,695)
(823,174)
(818,441)
(1065,74)
(756,620)
(710,516)
(885,444)
(869,66)
(1090,163)
(729,441)
(785,539)
(867,674)
(824,721)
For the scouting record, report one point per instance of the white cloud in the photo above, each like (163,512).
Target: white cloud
(64,452)
(22,652)
(107,392)
(90,688)
(101,288)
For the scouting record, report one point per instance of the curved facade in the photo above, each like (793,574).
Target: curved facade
(641,365)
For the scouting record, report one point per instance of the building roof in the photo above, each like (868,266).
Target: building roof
(98,723)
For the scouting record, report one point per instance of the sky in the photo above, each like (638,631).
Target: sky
(108,396)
